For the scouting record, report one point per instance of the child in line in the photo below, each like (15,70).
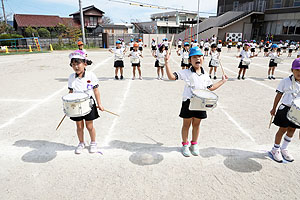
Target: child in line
(87,82)
(245,61)
(292,47)
(219,47)
(214,61)
(206,47)
(160,60)
(135,55)
(229,45)
(184,53)
(272,64)
(119,59)
(195,79)
(80,47)
(286,127)
(141,45)
(131,44)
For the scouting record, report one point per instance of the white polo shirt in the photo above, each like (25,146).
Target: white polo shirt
(214,55)
(141,44)
(130,44)
(119,53)
(160,55)
(184,54)
(135,54)
(179,43)
(206,45)
(285,88)
(219,46)
(239,43)
(86,84)
(193,81)
(166,43)
(245,54)
(153,43)
(292,47)
(273,55)
(201,43)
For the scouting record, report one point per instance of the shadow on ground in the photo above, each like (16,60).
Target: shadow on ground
(236,159)
(43,151)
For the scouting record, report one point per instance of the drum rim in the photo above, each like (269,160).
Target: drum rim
(207,91)
(76,100)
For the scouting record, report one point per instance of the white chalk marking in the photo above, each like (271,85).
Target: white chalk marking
(20,100)
(44,100)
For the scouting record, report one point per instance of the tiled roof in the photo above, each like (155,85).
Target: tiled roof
(23,20)
(86,9)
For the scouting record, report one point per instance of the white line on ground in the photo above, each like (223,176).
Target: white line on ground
(111,129)
(44,100)
(20,100)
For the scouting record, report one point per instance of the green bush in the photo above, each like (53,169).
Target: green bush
(44,33)
(8,36)
(31,32)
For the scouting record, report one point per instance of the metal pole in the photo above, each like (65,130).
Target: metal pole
(3,11)
(82,23)
(198,21)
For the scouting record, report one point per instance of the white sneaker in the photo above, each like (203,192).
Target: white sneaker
(286,155)
(93,148)
(141,78)
(158,78)
(133,78)
(162,78)
(195,150)
(185,151)
(79,148)
(276,155)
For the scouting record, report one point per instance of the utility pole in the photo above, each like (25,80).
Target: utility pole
(81,21)
(3,11)
(198,21)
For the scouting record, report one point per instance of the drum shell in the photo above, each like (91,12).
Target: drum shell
(135,60)
(77,107)
(199,103)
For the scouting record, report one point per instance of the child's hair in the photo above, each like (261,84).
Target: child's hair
(161,47)
(213,46)
(78,61)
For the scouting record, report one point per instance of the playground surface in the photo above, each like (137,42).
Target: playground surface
(139,152)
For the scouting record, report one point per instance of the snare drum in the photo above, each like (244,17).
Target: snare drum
(134,60)
(294,113)
(77,104)
(278,60)
(186,61)
(246,61)
(203,100)
(214,62)
(161,62)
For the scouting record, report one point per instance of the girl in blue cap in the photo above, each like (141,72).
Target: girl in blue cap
(201,80)
(184,53)
(119,52)
(272,64)
(286,127)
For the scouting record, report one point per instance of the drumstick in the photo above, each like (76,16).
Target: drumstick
(171,43)
(60,122)
(271,121)
(110,112)
(222,68)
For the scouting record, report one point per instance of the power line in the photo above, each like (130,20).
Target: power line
(147,5)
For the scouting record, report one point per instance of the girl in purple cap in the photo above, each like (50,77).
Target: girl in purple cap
(287,90)
(245,56)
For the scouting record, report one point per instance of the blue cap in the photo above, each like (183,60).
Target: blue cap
(195,51)
(254,40)
(196,40)
(118,42)
(274,46)
(131,40)
(186,44)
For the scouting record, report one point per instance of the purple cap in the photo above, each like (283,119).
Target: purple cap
(296,64)
(247,44)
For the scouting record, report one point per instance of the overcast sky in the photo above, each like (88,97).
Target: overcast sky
(118,12)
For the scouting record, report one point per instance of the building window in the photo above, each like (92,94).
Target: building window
(297,30)
(92,21)
(277,3)
(235,5)
(296,2)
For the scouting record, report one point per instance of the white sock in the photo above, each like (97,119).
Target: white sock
(286,142)
(214,73)
(276,146)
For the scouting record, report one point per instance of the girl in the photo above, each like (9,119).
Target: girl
(184,53)
(253,47)
(261,45)
(80,47)
(135,54)
(159,63)
(197,75)
(279,48)
(119,59)
(141,45)
(179,43)
(285,46)
(266,49)
(245,60)
(291,48)
(166,44)
(273,54)
(131,44)
(286,127)
(87,82)
(201,44)
(153,45)
(229,45)
(239,45)
(214,62)
(206,47)
(219,47)
(195,44)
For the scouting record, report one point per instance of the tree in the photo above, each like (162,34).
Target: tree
(30,32)
(44,33)
(73,33)
(106,20)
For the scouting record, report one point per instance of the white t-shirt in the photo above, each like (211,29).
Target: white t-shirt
(285,88)
(141,44)
(280,46)
(184,53)
(292,47)
(166,43)
(135,54)
(85,84)
(206,45)
(153,43)
(245,54)
(179,43)
(253,45)
(201,43)
(219,46)
(273,55)
(119,53)
(160,55)
(214,40)
(286,44)
(196,44)
(230,44)
(130,44)
(193,81)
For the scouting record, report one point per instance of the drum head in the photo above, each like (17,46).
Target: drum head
(297,102)
(205,94)
(75,96)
